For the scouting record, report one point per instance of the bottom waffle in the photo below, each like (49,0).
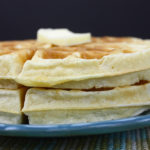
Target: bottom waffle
(47,106)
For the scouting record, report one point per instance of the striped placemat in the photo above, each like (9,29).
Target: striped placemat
(130,140)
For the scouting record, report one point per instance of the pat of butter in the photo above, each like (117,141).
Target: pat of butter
(62,37)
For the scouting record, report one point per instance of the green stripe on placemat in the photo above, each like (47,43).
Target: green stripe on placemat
(130,140)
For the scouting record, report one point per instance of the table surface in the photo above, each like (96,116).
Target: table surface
(130,140)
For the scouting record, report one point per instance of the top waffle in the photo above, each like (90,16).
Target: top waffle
(103,57)
(13,55)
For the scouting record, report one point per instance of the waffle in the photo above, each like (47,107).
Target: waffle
(13,55)
(43,99)
(100,58)
(11,103)
(72,106)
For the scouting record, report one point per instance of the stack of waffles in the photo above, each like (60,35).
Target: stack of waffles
(106,78)
(12,57)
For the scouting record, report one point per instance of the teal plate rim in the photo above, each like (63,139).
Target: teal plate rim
(75,129)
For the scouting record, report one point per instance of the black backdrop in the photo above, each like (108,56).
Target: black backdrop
(20,19)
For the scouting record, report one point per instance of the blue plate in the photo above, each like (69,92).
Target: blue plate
(75,129)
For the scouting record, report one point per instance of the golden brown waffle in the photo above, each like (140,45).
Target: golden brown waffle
(13,55)
(102,57)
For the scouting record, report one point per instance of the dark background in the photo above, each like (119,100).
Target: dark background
(20,19)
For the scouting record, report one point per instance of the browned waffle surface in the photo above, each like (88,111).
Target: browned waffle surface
(8,47)
(98,48)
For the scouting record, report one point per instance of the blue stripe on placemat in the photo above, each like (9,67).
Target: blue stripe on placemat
(117,141)
(111,142)
(144,139)
(130,140)
(98,143)
(123,141)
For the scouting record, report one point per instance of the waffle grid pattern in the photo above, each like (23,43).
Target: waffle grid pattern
(131,140)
